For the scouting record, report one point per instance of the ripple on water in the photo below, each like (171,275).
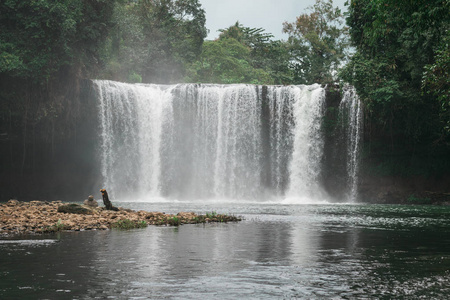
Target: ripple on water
(28,242)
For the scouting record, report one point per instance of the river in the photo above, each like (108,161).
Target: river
(279,251)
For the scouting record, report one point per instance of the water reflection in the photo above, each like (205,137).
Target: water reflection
(44,270)
(300,252)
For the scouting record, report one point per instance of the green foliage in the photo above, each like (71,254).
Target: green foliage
(221,218)
(395,42)
(318,43)
(225,61)
(128,224)
(58,226)
(37,38)
(436,81)
(154,40)
(211,215)
(174,221)
(46,47)
(125,48)
(134,78)
(241,55)
(265,53)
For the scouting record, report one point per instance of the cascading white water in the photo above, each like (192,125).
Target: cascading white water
(351,112)
(308,144)
(281,103)
(238,150)
(192,141)
(131,123)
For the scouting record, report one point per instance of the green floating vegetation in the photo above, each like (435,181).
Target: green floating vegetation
(216,218)
(128,224)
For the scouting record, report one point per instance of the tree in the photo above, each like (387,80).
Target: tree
(45,49)
(37,38)
(242,55)
(272,56)
(153,40)
(125,50)
(436,82)
(318,43)
(174,31)
(225,61)
(394,42)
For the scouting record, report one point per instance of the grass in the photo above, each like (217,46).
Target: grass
(211,215)
(215,217)
(174,221)
(58,226)
(128,224)
(206,218)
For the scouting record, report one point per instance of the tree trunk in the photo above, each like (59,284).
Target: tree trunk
(106,201)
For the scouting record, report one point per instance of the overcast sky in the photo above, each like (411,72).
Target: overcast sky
(268,14)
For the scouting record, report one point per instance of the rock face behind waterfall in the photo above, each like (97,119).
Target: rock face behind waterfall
(343,131)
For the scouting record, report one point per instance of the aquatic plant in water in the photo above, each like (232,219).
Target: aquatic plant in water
(128,224)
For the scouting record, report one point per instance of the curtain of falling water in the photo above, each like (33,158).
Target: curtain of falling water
(351,113)
(193,141)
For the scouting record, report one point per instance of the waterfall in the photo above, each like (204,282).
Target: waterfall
(307,153)
(281,104)
(351,115)
(131,135)
(190,141)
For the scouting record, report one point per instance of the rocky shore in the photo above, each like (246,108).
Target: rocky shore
(18,217)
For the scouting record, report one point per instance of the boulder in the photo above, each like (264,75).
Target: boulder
(90,202)
(12,202)
(75,209)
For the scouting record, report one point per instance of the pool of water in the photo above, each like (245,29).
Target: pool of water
(276,252)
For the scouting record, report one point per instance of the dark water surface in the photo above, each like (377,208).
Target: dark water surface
(277,252)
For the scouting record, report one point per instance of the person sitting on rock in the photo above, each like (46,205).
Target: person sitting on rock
(91,202)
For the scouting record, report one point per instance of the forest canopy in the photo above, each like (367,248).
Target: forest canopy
(164,42)
(400,67)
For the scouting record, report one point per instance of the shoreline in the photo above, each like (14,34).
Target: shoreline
(38,217)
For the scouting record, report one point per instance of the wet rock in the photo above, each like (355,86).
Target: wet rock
(75,209)
(125,209)
(12,202)
(90,202)
(42,217)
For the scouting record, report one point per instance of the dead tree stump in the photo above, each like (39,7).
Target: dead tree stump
(106,201)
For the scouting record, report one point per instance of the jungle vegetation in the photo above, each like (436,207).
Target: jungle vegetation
(400,69)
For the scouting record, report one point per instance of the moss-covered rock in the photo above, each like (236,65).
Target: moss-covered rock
(75,209)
